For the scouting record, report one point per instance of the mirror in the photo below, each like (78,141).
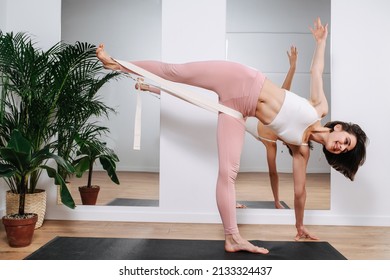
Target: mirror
(250,24)
(119,24)
(259,32)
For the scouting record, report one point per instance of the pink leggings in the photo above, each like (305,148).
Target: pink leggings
(238,87)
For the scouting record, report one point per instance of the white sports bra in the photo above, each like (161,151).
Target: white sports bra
(295,116)
(251,126)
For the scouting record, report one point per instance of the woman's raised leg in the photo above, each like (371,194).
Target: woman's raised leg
(107,61)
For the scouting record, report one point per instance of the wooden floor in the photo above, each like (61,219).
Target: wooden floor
(355,243)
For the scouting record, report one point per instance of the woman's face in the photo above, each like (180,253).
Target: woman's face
(340,141)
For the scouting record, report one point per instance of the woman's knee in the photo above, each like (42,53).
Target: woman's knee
(228,175)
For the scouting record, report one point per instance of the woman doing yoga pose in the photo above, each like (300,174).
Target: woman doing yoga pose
(293,119)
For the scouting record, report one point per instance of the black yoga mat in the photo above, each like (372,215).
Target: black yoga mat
(89,248)
(151,202)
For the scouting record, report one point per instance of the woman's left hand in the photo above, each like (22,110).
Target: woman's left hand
(142,86)
(293,56)
(319,31)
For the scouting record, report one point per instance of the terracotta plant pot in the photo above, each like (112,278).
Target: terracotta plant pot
(89,195)
(20,231)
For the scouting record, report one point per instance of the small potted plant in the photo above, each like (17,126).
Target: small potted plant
(90,150)
(18,161)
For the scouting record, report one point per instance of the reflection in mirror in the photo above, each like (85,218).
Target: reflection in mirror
(259,33)
(130,30)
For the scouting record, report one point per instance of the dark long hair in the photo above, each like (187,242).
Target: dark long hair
(348,163)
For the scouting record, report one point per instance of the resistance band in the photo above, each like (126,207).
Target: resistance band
(175,90)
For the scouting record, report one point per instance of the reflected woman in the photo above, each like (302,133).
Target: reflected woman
(267,136)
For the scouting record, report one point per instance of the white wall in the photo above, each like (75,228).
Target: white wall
(3,15)
(360,56)
(24,16)
(360,93)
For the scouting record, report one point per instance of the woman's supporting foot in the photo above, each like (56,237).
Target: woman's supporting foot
(107,61)
(235,243)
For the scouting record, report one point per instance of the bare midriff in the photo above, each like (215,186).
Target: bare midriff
(270,101)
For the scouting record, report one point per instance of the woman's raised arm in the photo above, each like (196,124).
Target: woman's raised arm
(317,95)
(292,58)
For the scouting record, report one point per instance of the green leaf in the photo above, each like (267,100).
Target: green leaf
(66,197)
(110,166)
(60,161)
(19,160)
(81,166)
(18,143)
(7,170)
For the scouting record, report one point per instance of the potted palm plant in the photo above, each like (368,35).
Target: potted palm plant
(48,96)
(18,160)
(30,83)
(90,149)
(78,101)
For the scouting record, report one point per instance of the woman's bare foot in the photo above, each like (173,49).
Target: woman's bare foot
(278,205)
(235,243)
(107,61)
(239,205)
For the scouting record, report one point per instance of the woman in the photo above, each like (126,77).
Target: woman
(265,135)
(294,120)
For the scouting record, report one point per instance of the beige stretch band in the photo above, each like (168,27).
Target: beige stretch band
(177,91)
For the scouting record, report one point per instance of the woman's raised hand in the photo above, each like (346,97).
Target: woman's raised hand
(293,56)
(319,31)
